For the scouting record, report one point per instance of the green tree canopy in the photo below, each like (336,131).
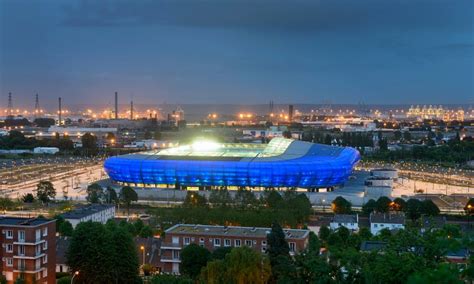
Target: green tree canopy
(95,193)
(341,206)
(193,259)
(45,191)
(383,204)
(127,196)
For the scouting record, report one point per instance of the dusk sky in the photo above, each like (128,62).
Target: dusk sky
(229,51)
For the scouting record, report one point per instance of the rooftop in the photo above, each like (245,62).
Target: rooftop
(15,221)
(190,229)
(277,148)
(344,218)
(387,218)
(372,245)
(86,211)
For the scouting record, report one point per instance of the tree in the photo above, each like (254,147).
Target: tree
(313,244)
(6,203)
(383,204)
(193,259)
(324,233)
(66,229)
(369,207)
(45,191)
(443,274)
(127,196)
(341,206)
(110,195)
(102,254)
(170,279)
(407,136)
(273,199)
(220,198)
(429,208)
(399,204)
(146,232)
(220,253)
(469,208)
(278,253)
(44,122)
(95,193)
(413,209)
(28,198)
(89,141)
(194,199)
(90,246)
(241,265)
(245,198)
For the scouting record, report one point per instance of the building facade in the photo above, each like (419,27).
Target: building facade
(214,237)
(390,221)
(28,250)
(350,222)
(95,212)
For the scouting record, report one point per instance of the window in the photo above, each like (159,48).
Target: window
(21,265)
(217,242)
(175,240)
(237,243)
(38,249)
(292,246)
(201,240)
(38,234)
(21,250)
(9,234)
(45,232)
(45,245)
(45,273)
(227,243)
(21,236)
(9,248)
(38,264)
(175,254)
(9,261)
(248,243)
(186,241)
(264,243)
(45,259)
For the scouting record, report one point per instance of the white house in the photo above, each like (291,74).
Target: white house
(351,222)
(95,212)
(391,221)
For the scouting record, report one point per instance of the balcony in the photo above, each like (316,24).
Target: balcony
(170,259)
(170,246)
(24,242)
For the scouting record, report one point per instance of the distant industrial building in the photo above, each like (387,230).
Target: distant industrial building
(95,212)
(213,237)
(28,249)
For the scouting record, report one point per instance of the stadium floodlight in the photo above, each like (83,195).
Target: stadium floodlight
(205,145)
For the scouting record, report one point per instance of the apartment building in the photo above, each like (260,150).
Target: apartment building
(94,212)
(28,249)
(213,237)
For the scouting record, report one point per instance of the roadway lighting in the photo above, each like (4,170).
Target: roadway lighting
(75,274)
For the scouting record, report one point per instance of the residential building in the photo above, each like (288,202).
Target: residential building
(369,246)
(213,237)
(351,222)
(28,249)
(391,221)
(62,244)
(94,212)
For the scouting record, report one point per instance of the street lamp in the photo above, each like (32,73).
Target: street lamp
(75,274)
(142,248)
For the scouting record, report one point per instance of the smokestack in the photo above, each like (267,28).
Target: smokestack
(131,110)
(10,105)
(59,111)
(116,105)
(290,112)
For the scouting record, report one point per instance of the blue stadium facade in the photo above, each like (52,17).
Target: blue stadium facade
(281,163)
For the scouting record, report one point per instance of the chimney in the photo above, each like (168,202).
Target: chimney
(131,110)
(290,113)
(116,105)
(59,111)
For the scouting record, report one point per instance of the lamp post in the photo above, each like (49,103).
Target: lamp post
(142,248)
(75,274)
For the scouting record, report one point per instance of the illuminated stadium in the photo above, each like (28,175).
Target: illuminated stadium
(282,163)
